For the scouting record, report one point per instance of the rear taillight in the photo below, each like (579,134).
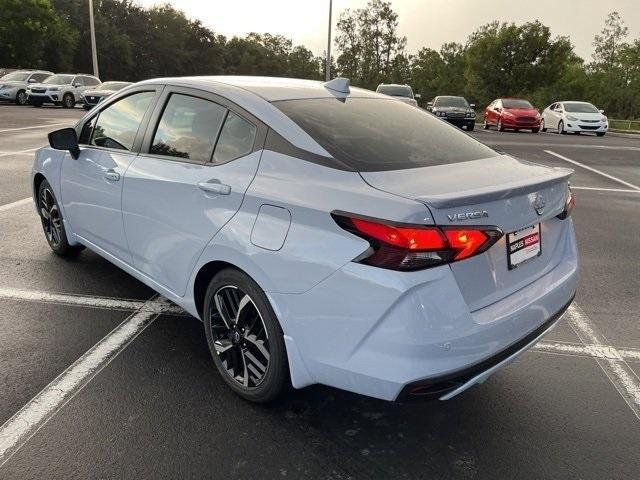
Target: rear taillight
(569,205)
(415,247)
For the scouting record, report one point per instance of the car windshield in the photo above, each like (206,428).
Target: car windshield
(375,134)
(511,103)
(459,102)
(15,77)
(395,90)
(580,107)
(112,85)
(59,80)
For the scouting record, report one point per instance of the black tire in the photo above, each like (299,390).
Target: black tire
(561,128)
(254,329)
(52,224)
(535,130)
(516,130)
(542,127)
(21,97)
(500,125)
(470,127)
(600,134)
(485,124)
(68,101)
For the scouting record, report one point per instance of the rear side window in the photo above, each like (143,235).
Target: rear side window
(38,77)
(90,81)
(236,139)
(373,134)
(117,125)
(188,128)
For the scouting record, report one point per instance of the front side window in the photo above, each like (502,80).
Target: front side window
(236,139)
(188,128)
(15,77)
(375,134)
(117,125)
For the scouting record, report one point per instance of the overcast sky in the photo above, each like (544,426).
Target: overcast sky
(425,23)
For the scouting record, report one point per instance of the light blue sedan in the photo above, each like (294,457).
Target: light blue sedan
(323,233)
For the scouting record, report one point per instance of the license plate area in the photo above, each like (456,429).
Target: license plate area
(523,245)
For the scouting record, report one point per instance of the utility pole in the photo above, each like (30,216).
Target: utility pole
(94,53)
(328,67)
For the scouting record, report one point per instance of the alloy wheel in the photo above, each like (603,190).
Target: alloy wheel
(240,337)
(51,218)
(560,127)
(21,98)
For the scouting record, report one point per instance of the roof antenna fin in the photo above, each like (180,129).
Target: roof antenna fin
(339,84)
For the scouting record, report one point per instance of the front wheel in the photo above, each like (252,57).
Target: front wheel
(244,337)
(542,127)
(21,97)
(500,125)
(561,127)
(485,125)
(535,130)
(52,224)
(470,127)
(600,134)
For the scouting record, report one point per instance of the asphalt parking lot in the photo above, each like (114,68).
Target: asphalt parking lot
(79,401)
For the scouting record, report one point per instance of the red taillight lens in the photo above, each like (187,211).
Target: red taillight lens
(409,247)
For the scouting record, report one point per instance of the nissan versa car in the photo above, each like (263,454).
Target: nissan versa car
(512,113)
(63,89)
(323,234)
(454,110)
(94,96)
(13,87)
(574,117)
(404,93)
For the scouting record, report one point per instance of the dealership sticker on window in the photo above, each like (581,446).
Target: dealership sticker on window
(523,245)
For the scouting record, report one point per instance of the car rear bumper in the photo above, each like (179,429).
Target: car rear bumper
(381,333)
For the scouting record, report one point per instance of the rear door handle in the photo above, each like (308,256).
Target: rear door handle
(112,175)
(215,187)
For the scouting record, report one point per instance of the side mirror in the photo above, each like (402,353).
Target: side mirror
(65,139)
(430,106)
(418,96)
(601,111)
(472,105)
(497,109)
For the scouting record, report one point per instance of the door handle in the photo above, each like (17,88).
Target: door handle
(112,175)
(215,187)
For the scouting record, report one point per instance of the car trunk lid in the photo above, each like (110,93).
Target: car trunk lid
(498,191)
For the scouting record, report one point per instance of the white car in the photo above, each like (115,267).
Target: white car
(574,117)
(404,93)
(13,86)
(64,89)
(323,234)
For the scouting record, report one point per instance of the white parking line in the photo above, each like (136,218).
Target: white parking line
(610,359)
(70,299)
(18,203)
(33,127)
(589,350)
(20,152)
(24,424)
(596,189)
(591,169)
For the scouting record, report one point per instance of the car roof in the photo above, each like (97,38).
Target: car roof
(270,89)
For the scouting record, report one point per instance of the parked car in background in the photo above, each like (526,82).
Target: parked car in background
(574,117)
(6,71)
(323,233)
(62,89)
(512,113)
(13,86)
(454,110)
(94,96)
(404,93)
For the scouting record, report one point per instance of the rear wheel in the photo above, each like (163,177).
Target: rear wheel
(21,97)
(244,337)
(68,101)
(542,127)
(52,224)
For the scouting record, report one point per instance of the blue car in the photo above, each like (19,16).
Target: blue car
(322,233)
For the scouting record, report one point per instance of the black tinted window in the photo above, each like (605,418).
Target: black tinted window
(236,139)
(87,129)
(118,124)
(511,103)
(376,134)
(90,81)
(188,128)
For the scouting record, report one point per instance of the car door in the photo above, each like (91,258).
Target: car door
(91,185)
(200,154)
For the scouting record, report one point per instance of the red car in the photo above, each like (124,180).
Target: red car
(512,113)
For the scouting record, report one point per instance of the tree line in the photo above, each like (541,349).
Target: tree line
(497,60)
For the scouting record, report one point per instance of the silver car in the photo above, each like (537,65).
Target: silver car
(96,95)
(62,89)
(404,93)
(13,86)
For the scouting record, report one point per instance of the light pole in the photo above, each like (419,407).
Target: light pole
(328,67)
(94,53)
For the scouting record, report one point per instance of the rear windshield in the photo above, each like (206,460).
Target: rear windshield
(511,103)
(395,90)
(580,107)
(451,102)
(374,134)
(15,77)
